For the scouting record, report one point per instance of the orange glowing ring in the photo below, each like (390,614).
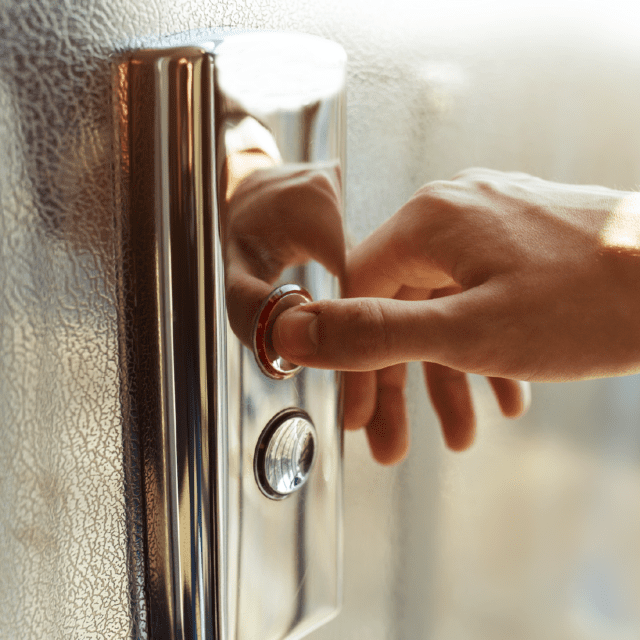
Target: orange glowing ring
(281,299)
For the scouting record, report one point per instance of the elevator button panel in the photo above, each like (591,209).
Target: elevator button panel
(231,165)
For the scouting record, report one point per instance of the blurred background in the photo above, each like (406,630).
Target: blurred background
(530,535)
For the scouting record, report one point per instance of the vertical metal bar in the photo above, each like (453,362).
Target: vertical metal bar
(174,270)
(221,560)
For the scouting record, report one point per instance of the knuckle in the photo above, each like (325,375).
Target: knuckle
(480,180)
(467,174)
(521,176)
(485,185)
(305,183)
(436,191)
(443,203)
(325,187)
(311,189)
(320,180)
(472,174)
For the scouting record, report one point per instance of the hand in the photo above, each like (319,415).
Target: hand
(543,282)
(276,216)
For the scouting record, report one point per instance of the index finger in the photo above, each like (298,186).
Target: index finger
(393,256)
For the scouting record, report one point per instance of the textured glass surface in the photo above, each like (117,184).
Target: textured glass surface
(530,535)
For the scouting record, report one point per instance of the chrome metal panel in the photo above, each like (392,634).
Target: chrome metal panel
(288,552)
(172,281)
(224,560)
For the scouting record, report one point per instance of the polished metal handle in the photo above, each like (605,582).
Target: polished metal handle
(240,459)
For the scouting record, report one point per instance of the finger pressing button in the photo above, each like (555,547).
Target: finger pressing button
(281,299)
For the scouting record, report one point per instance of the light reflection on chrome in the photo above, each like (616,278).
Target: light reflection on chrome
(223,560)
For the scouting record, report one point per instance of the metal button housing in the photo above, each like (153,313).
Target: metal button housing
(280,299)
(285,454)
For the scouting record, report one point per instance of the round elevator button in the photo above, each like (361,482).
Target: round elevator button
(279,300)
(285,454)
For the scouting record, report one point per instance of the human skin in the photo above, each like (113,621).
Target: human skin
(277,216)
(499,274)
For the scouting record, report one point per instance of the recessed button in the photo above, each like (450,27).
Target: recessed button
(285,454)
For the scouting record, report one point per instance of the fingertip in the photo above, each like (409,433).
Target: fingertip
(451,398)
(387,431)
(295,333)
(386,450)
(459,436)
(513,396)
(359,398)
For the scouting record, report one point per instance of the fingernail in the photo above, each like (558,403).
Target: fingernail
(298,332)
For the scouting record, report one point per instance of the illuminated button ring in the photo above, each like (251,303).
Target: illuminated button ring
(281,299)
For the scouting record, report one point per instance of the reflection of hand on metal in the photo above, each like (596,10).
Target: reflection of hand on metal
(276,216)
(248,146)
